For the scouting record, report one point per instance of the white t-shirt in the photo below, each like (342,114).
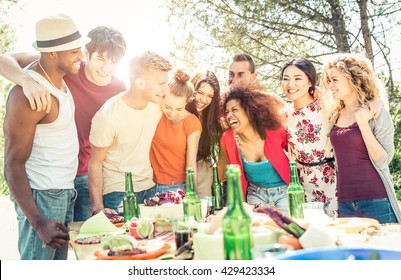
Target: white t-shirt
(128,133)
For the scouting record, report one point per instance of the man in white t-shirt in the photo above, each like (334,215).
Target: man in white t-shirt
(122,132)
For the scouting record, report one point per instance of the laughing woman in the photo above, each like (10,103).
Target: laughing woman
(307,125)
(206,106)
(256,140)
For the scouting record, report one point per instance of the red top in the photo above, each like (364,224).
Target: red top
(88,99)
(275,144)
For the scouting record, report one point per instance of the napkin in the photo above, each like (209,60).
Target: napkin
(98,224)
(317,236)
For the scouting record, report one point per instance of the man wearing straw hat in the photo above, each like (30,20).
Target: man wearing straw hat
(41,148)
(94,84)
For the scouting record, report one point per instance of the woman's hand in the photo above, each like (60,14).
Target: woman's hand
(364,114)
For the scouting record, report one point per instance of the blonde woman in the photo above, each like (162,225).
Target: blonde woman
(363,140)
(175,143)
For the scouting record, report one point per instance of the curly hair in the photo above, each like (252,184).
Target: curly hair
(358,70)
(210,120)
(263,110)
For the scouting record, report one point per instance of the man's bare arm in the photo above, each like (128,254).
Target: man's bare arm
(19,130)
(11,68)
(95,177)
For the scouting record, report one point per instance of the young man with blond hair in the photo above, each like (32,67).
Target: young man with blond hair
(122,132)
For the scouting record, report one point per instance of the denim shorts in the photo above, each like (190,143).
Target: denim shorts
(379,209)
(56,204)
(83,207)
(276,196)
(114,200)
(163,188)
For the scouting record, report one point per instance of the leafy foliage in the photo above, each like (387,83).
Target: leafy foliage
(274,31)
(7,40)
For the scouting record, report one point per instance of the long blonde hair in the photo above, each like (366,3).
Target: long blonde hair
(359,72)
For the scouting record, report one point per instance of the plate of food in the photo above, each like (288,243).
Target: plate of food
(126,247)
(353,224)
(89,240)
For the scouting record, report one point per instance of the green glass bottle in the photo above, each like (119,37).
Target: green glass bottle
(216,190)
(295,194)
(191,202)
(130,201)
(236,222)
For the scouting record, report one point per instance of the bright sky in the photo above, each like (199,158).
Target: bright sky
(142,22)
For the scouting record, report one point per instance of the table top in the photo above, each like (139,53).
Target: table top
(389,238)
(86,250)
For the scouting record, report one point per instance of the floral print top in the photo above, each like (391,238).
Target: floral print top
(308,138)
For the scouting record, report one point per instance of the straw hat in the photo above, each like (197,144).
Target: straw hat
(58,33)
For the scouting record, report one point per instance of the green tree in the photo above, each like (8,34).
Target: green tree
(273,31)
(7,40)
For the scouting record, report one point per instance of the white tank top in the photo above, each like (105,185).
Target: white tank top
(53,161)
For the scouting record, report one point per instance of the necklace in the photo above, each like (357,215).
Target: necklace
(237,140)
(47,76)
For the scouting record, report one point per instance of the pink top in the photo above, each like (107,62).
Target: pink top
(88,99)
(275,144)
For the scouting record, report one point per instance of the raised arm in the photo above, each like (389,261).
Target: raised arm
(19,130)
(11,68)
(375,149)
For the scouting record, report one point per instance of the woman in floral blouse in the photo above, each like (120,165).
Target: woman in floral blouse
(308,130)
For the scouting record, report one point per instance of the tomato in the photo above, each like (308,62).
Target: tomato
(290,240)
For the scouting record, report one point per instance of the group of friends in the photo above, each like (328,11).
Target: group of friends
(72,129)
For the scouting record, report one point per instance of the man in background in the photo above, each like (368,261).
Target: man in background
(241,71)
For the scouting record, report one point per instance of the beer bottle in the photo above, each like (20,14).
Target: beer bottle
(216,190)
(130,202)
(295,194)
(236,222)
(191,202)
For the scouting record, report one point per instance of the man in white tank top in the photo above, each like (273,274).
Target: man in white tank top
(41,148)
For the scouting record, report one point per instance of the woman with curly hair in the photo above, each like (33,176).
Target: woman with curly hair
(256,141)
(363,140)
(307,125)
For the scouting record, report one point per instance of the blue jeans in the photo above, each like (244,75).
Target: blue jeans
(83,207)
(161,188)
(276,197)
(114,199)
(379,209)
(53,205)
